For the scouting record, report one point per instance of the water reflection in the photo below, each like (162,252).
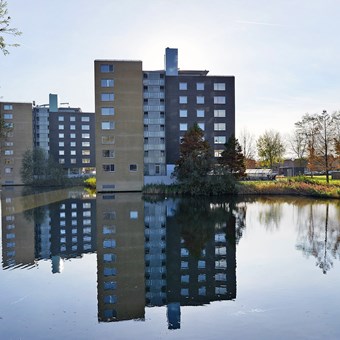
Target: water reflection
(317,221)
(173,253)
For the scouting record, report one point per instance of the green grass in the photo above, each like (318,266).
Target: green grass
(301,186)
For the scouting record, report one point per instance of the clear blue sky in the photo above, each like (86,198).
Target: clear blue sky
(284,54)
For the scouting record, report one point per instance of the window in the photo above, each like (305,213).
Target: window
(183,86)
(109,285)
(219,100)
(184,252)
(9,152)
(184,265)
(72,119)
(219,113)
(133,215)
(218,153)
(219,127)
(85,144)
(9,143)
(108,139)
(202,291)
(73,144)
(72,135)
(73,161)
(202,277)
(85,119)
(109,229)
(183,113)
(85,135)
(201,126)
(8,107)
(61,144)
(105,68)
(185,278)
(109,243)
(201,264)
(219,86)
(86,160)
(108,153)
(61,160)
(8,116)
(61,152)
(107,97)
(108,125)
(200,86)
(109,257)
(133,167)
(219,139)
(108,167)
(61,127)
(8,170)
(61,135)
(72,127)
(106,83)
(73,152)
(183,127)
(200,113)
(200,100)
(183,99)
(85,127)
(60,118)
(107,111)
(8,125)
(85,152)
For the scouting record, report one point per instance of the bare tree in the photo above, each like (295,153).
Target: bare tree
(297,144)
(247,142)
(5,28)
(336,119)
(319,131)
(308,129)
(326,141)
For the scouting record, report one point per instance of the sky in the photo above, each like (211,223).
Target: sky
(284,54)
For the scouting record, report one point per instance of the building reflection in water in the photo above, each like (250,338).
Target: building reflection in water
(190,254)
(172,253)
(56,231)
(120,256)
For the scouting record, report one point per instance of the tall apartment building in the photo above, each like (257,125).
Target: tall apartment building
(194,97)
(154,123)
(66,134)
(18,138)
(159,106)
(119,125)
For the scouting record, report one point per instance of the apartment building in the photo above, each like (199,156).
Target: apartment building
(18,138)
(154,123)
(141,117)
(66,134)
(119,125)
(195,97)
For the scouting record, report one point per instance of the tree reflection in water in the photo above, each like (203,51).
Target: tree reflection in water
(319,232)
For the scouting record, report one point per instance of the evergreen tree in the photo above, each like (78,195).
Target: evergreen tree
(195,159)
(232,158)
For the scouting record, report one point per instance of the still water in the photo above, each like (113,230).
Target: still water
(115,266)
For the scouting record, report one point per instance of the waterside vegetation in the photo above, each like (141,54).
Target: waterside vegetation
(294,186)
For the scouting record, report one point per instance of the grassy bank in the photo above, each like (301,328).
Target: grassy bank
(297,186)
(290,187)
